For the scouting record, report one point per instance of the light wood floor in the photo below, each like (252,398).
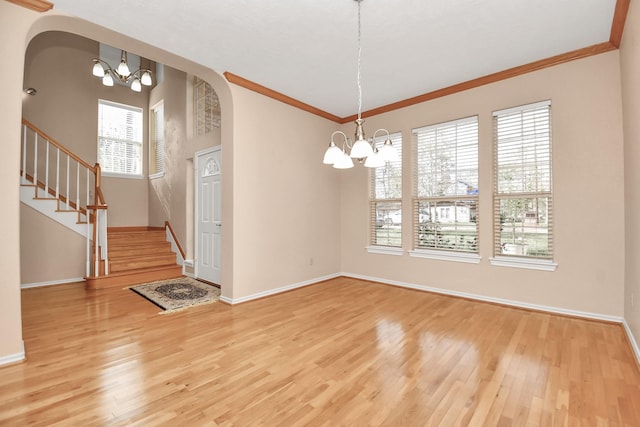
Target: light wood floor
(343,352)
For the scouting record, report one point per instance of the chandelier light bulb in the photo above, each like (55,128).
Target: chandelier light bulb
(123,69)
(344,162)
(388,152)
(375,160)
(135,85)
(332,155)
(98,70)
(107,80)
(146,78)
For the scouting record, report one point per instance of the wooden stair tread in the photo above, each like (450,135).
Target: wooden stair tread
(134,239)
(137,255)
(141,261)
(134,250)
(134,277)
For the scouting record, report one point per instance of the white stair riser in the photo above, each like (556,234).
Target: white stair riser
(49,208)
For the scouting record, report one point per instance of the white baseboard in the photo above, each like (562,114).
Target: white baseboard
(632,340)
(277,290)
(13,358)
(51,282)
(512,303)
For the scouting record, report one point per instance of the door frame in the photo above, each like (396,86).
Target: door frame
(196,197)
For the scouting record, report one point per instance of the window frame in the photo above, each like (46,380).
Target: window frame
(206,107)
(458,200)
(139,144)
(500,195)
(156,167)
(374,200)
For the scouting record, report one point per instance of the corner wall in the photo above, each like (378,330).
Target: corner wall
(588,190)
(286,202)
(630,74)
(11,346)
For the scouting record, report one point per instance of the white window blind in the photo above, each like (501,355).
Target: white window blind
(445,204)
(386,199)
(119,138)
(156,142)
(522,195)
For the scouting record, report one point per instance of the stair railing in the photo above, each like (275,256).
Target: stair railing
(59,174)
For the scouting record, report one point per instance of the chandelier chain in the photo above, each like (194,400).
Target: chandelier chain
(358,75)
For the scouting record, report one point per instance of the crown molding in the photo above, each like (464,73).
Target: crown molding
(248,84)
(617,28)
(491,78)
(619,18)
(37,5)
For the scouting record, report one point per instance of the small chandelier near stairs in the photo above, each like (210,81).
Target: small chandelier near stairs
(362,149)
(141,76)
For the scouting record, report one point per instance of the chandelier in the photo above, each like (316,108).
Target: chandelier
(141,76)
(361,149)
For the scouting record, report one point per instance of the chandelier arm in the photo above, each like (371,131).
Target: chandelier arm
(346,141)
(381,130)
(140,71)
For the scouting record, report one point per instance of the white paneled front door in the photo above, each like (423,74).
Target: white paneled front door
(208,214)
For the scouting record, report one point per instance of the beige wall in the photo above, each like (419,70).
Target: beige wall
(588,163)
(10,113)
(630,71)
(49,251)
(286,202)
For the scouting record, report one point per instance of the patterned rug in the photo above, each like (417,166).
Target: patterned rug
(178,294)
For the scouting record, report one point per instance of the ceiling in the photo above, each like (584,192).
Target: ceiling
(307,49)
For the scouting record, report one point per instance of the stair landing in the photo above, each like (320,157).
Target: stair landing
(137,255)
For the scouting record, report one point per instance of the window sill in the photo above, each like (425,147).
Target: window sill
(526,263)
(156,175)
(384,250)
(469,258)
(121,175)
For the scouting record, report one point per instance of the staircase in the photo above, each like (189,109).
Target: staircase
(62,186)
(137,255)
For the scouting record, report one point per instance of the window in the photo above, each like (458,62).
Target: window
(156,141)
(206,107)
(522,194)
(386,199)
(445,204)
(119,139)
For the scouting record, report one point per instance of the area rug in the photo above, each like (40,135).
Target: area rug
(178,294)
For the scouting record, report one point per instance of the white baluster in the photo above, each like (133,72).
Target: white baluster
(105,249)
(88,262)
(96,267)
(35,163)
(46,172)
(58,175)
(67,187)
(78,186)
(88,202)
(24,152)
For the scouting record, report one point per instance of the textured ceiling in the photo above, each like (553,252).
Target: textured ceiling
(307,49)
